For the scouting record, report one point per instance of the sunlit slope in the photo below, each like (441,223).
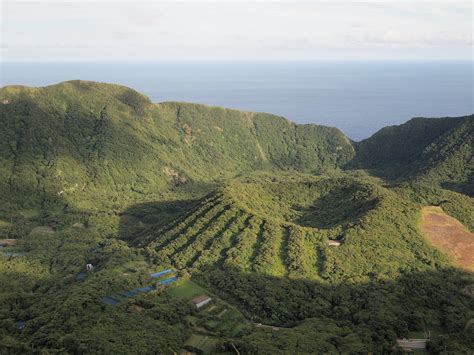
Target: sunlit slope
(285,225)
(86,144)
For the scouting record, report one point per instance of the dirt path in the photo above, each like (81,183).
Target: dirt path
(222,313)
(260,325)
(449,235)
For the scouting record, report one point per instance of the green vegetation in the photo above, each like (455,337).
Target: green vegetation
(201,343)
(364,316)
(306,241)
(271,216)
(438,151)
(186,290)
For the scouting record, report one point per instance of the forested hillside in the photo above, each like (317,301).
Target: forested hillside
(83,143)
(306,241)
(283,226)
(432,150)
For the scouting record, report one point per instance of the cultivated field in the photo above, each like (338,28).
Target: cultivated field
(449,235)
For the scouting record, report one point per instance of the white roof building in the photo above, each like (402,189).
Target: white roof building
(202,301)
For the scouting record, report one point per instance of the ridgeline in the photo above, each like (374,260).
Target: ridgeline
(294,226)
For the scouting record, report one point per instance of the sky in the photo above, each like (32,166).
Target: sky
(235,30)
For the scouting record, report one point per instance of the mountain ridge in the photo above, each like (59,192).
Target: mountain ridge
(75,123)
(294,226)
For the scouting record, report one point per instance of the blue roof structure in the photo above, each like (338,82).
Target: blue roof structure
(21,253)
(110,301)
(168,281)
(117,297)
(161,273)
(80,276)
(144,289)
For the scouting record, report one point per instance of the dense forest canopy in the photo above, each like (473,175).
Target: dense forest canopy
(306,240)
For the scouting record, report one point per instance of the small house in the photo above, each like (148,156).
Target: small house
(334,242)
(201,301)
(412,344)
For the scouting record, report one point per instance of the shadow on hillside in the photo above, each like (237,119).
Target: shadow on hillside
(143,218)
(463,188)
(79,134)
(365,316)
(333,209)
(26,207)
(322,318)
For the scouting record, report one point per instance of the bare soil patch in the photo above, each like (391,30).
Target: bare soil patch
(8,242)
(138,308)
(449,235)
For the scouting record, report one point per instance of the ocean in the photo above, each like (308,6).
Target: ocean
(358,97)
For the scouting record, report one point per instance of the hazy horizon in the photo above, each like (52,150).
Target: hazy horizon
(309,61)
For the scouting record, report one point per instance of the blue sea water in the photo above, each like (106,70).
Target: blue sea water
(357,97)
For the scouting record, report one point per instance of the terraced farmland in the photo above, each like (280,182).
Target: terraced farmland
(296,226)
(233,228)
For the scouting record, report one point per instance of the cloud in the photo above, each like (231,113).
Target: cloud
(357,25)
(396,37)
(230,30)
